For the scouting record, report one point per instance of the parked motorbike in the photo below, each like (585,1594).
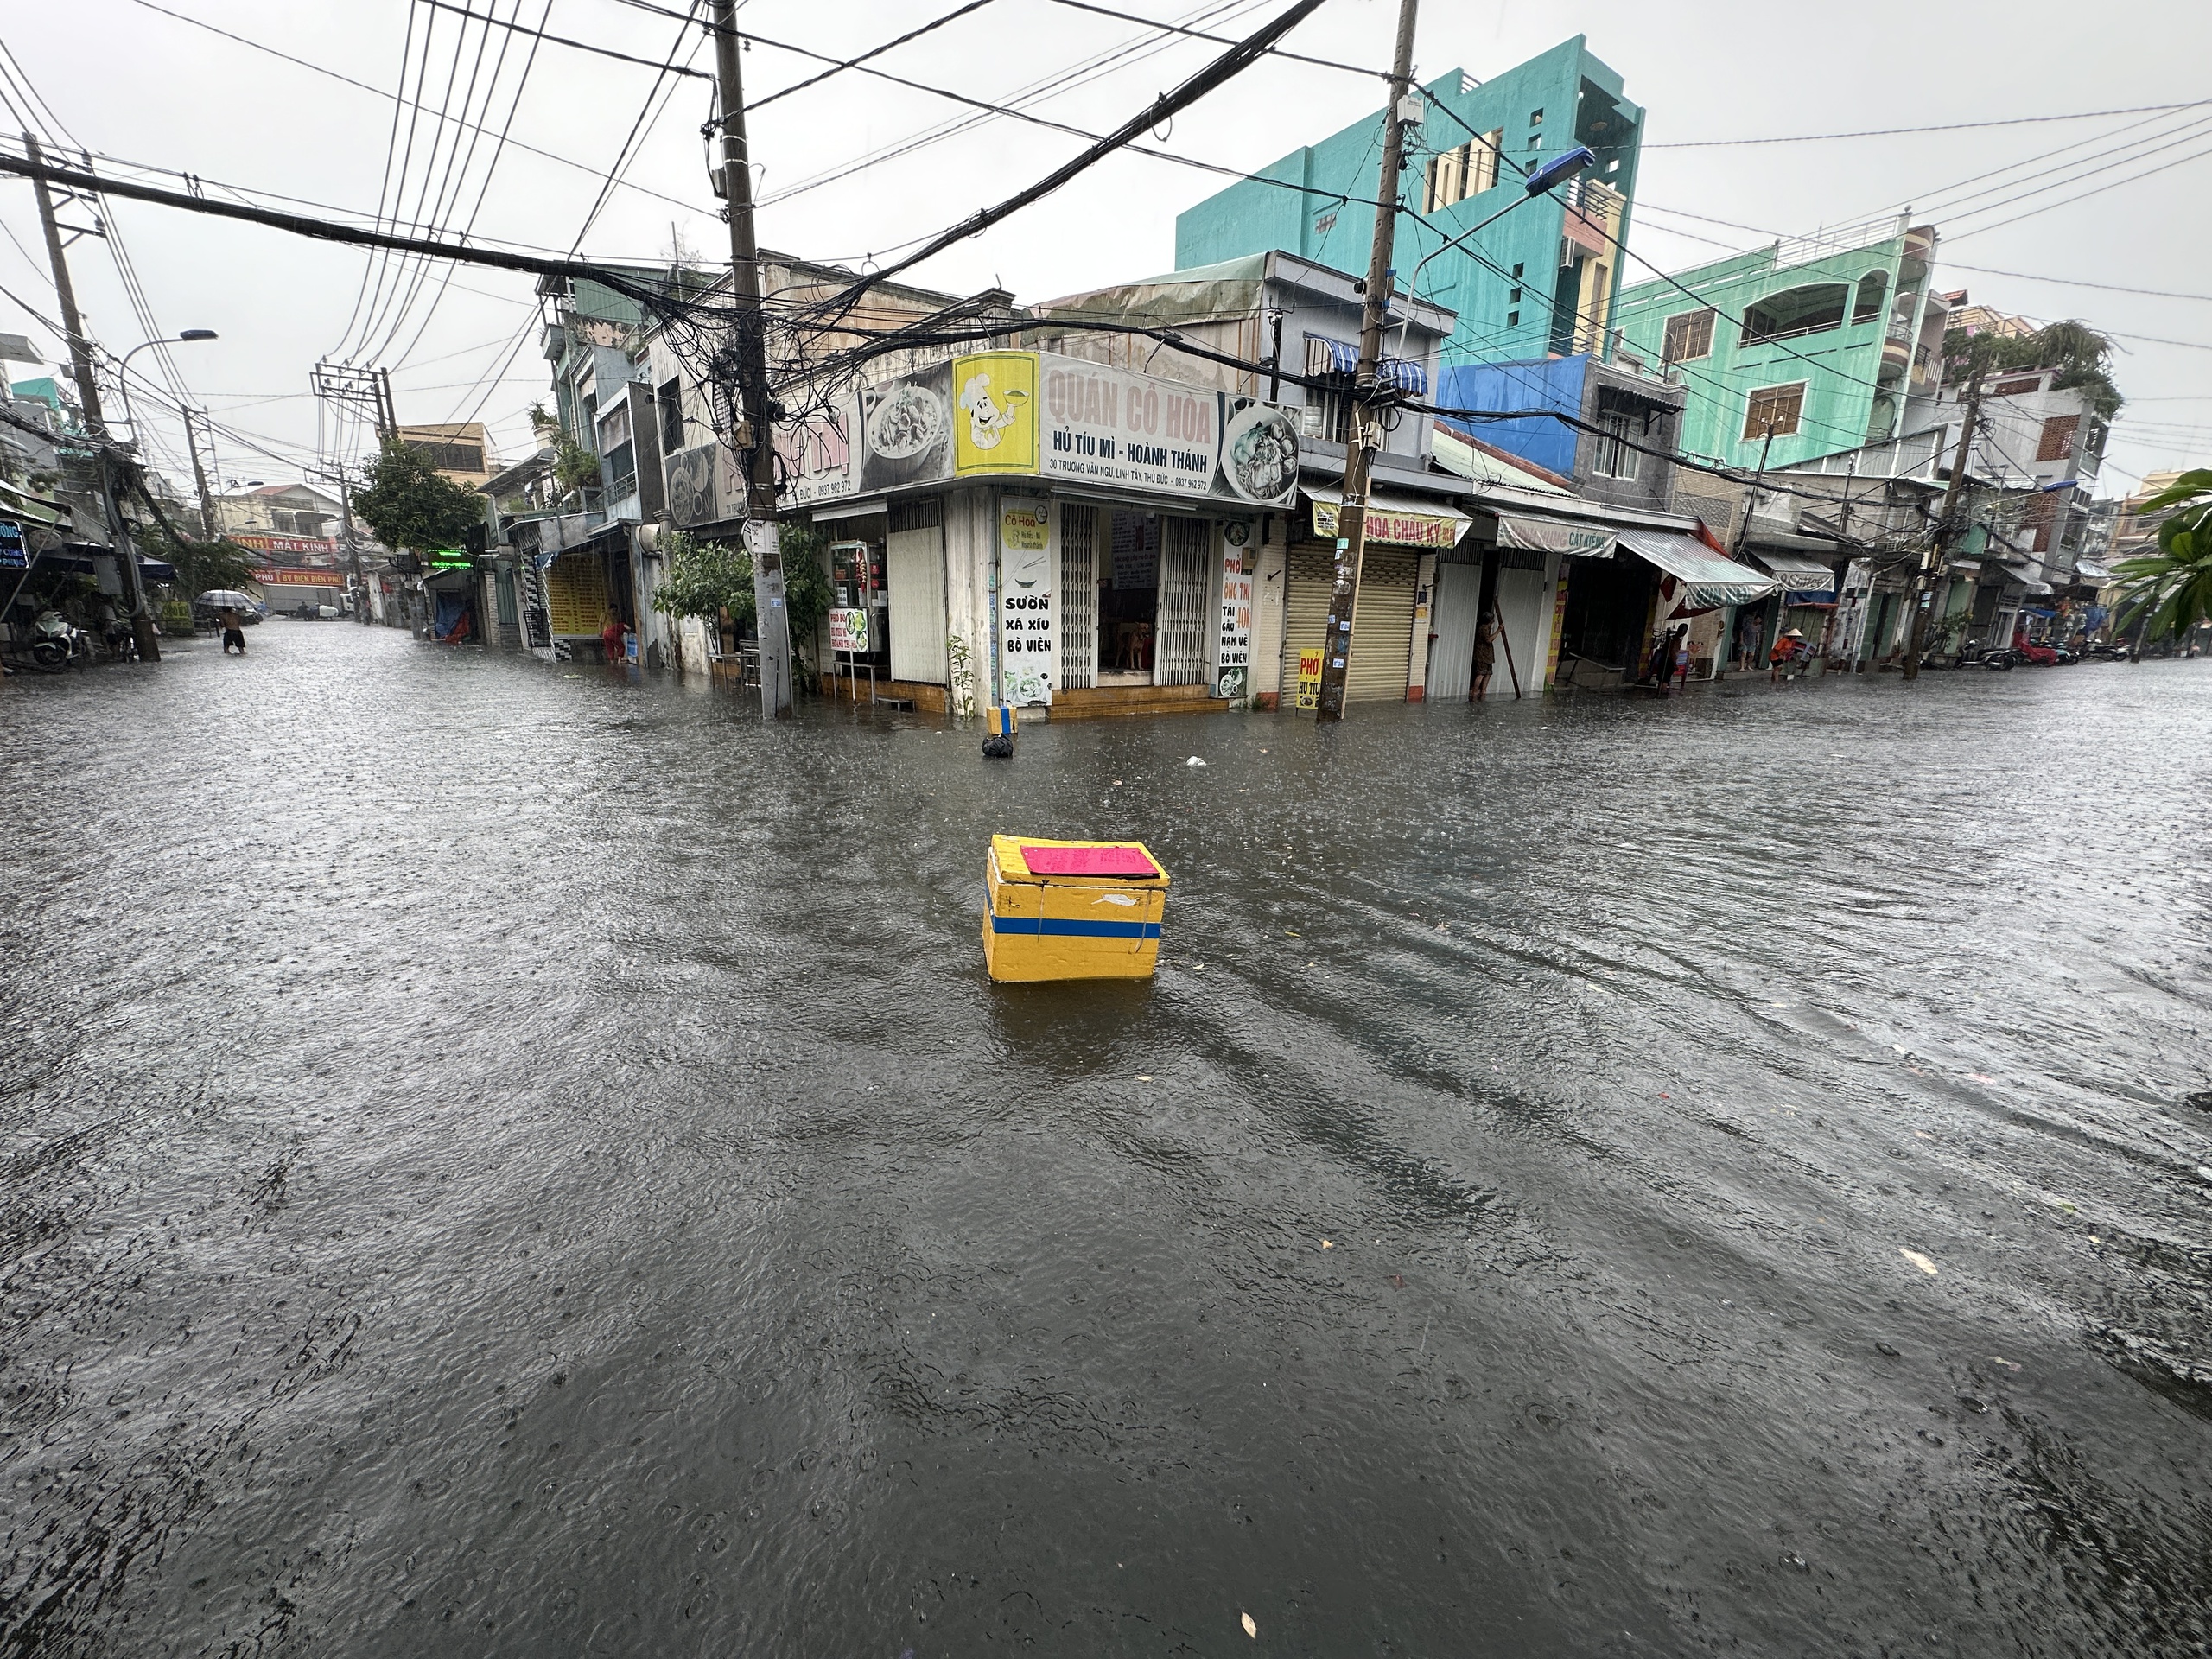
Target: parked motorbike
(2108,650)
(56,643)
(120,639)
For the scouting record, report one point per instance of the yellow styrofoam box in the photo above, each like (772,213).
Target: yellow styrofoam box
(1071,909)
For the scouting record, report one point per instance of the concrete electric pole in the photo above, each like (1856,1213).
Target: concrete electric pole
(210,529)
(88,398)
(1363,436)
(1939,546)
(757,417)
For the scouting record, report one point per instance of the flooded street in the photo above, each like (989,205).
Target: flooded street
(504,1160)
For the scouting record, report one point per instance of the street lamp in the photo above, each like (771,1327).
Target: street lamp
(122,367)
(1562,168)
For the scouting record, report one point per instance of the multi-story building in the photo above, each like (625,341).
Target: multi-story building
(1543,280)
(1809,346)
(1302,318)
(462,451)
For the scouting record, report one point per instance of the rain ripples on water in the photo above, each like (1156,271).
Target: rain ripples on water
(506,1160)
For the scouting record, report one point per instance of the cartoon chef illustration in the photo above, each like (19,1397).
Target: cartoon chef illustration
(988,414)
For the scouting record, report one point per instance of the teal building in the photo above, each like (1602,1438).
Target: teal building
(1826,342)
(1541,281)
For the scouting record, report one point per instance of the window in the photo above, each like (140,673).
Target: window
(1614,459)
(614,426)
(1514,298)
(1328,411)
(2058,433)
(1455,174)
(1535,117)
(1513,319)
(1517,269)
(1773,409)
(670,397)
(1868,306)
(1689,336)
(450,457)
(1808,310)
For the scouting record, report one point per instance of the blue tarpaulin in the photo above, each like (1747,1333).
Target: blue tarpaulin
(451,608)
(1544,383)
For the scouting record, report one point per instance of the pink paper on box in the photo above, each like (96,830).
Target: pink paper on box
(1088,860)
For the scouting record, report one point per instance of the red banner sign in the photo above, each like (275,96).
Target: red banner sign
(258,543)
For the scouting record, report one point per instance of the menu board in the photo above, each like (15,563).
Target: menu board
(1026,630)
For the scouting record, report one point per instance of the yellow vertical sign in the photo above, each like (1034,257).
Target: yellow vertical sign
(995,412)
(1309,677)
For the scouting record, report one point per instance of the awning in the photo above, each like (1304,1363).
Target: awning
(2090,570)
(78,560)
(1341,357)
(1709,580)
(1407,376)
(1398,520)
(1800,575)
(1555,536)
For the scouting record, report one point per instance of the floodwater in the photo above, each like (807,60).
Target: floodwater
(509,1160)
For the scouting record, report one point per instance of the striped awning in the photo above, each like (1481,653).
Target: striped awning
(1327,356)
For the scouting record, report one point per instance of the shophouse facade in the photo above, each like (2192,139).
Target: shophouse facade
(1291,327)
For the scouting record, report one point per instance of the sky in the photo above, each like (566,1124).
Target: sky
(2032,212)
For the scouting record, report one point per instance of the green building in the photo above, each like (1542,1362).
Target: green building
(1825,343)
(1540,282)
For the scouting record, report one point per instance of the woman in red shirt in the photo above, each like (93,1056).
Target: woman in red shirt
(610,637)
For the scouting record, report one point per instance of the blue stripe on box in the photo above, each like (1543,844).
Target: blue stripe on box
(1072,930)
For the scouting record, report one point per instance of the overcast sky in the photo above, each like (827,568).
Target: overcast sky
(127,82)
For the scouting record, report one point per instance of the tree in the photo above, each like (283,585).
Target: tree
(2078,351)
(704,578)
(2170,592)
(408,504)
(574,467)
(200,565)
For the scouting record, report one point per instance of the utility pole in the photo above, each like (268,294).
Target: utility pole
(1940,546)
(88,398)
(1352,516)
(209,529)
(757,421)
(362,607)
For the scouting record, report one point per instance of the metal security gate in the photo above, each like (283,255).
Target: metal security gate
(1382,630)
(913,571)
(1452,652)
(1183,613)
(1305,614)
(1075,636)
(1523,605)
(1382,626)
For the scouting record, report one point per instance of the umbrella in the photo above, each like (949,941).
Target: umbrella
(216,598)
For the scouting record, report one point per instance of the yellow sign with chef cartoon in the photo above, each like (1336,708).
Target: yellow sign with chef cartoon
(994,417)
